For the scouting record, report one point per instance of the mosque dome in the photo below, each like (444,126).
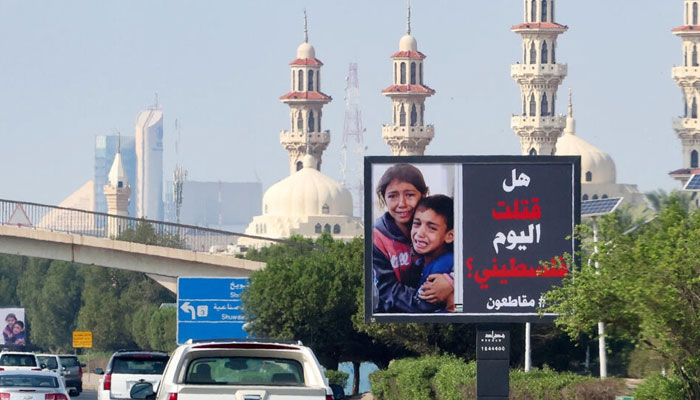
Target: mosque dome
(306,50)
(596,165)
(307,192)
(408,43)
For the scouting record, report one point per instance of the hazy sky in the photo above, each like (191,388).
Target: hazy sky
(74,69)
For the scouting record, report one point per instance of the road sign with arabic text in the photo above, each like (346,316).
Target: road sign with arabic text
(210,308)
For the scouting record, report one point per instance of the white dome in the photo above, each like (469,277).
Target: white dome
(408,43)
(306,50)
(598,163)
(307,192)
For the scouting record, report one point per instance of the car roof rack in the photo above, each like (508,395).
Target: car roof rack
(245,340)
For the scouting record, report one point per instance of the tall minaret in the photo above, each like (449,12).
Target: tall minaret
(687,76)
(408,135)
(306,102)
(117,191)
(539,77)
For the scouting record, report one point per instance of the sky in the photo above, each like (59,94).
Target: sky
(74,69)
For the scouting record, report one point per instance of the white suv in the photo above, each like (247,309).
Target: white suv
(126,368)
(18,360)
(250,370)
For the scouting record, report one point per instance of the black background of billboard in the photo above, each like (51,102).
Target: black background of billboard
(573,162)
(483,189)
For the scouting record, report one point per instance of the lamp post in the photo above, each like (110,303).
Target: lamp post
(594,209)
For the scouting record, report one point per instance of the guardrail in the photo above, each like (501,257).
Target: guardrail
(97,224)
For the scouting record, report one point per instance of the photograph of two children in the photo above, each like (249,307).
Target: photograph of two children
(451,237)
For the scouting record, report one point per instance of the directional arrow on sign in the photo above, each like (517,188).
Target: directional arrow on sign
(188,308)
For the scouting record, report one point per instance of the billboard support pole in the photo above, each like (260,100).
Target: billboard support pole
(528,348)
(492,362)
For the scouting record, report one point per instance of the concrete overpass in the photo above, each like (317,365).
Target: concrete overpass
(162,264)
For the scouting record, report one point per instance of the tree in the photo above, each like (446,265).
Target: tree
(161,329)
(145,233)
(310,294)
(646,289)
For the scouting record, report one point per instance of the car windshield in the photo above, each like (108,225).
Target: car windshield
(146,364)
(245,371)
(49,362)
(28,380)
(69,361)
(18,360)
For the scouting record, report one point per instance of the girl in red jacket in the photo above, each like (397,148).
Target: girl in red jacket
(394,270)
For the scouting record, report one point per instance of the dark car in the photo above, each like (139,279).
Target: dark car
(73,372)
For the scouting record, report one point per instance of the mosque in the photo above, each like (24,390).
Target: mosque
(308,203)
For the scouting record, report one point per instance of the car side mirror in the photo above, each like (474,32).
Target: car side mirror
(99,371)
(142,390)
(82,365)
(338,392)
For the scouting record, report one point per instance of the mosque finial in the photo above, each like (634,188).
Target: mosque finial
(571,105)
(119,142)
(306,30)
(408,25)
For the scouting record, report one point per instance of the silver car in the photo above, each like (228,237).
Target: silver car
(32,385)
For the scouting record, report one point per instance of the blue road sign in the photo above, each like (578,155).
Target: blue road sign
(210,308)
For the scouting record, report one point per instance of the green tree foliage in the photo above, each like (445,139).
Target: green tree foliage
(11,268)
(310,294)
(161,329)
(139,325)
(145,233)
(646,289)
(58,298)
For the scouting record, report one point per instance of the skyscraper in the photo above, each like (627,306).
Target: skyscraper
(106,147)
(149,163)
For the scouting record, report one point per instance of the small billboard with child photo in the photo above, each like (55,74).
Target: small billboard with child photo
(15,331)
(467,239)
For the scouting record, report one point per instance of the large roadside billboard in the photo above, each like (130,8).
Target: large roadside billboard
(467,238)
(15,331)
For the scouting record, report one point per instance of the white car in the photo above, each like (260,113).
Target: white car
(51,363)
(250,370)
(32,385)
(126,368)
(18,360)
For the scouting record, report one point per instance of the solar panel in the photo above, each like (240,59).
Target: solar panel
(693,183)
(594,208)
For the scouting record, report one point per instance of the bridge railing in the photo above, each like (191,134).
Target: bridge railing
(97,224)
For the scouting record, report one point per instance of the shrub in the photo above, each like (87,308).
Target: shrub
(455,380)
(337,377)
(660,387)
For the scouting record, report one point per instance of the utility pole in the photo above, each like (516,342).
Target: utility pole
(353,150)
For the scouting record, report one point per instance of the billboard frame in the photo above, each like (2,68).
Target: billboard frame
(369,161)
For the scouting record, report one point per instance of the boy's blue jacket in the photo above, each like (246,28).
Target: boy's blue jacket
(441,265)
(394,269)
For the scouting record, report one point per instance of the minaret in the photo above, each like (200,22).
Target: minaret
(408,135)
(305,102)
(687,76)
(539,77)
(117,192)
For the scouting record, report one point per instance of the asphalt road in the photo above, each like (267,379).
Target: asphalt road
(86,395)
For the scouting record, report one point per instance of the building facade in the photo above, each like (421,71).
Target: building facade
(539,75)
(106,148)
(687,76)
(408,134)
(149,164)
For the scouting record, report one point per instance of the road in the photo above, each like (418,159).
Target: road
(86,395)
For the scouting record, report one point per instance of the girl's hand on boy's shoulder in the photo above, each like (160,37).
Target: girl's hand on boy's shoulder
(436,289)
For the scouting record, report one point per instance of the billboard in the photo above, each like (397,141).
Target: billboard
(15,331)
(467,238)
